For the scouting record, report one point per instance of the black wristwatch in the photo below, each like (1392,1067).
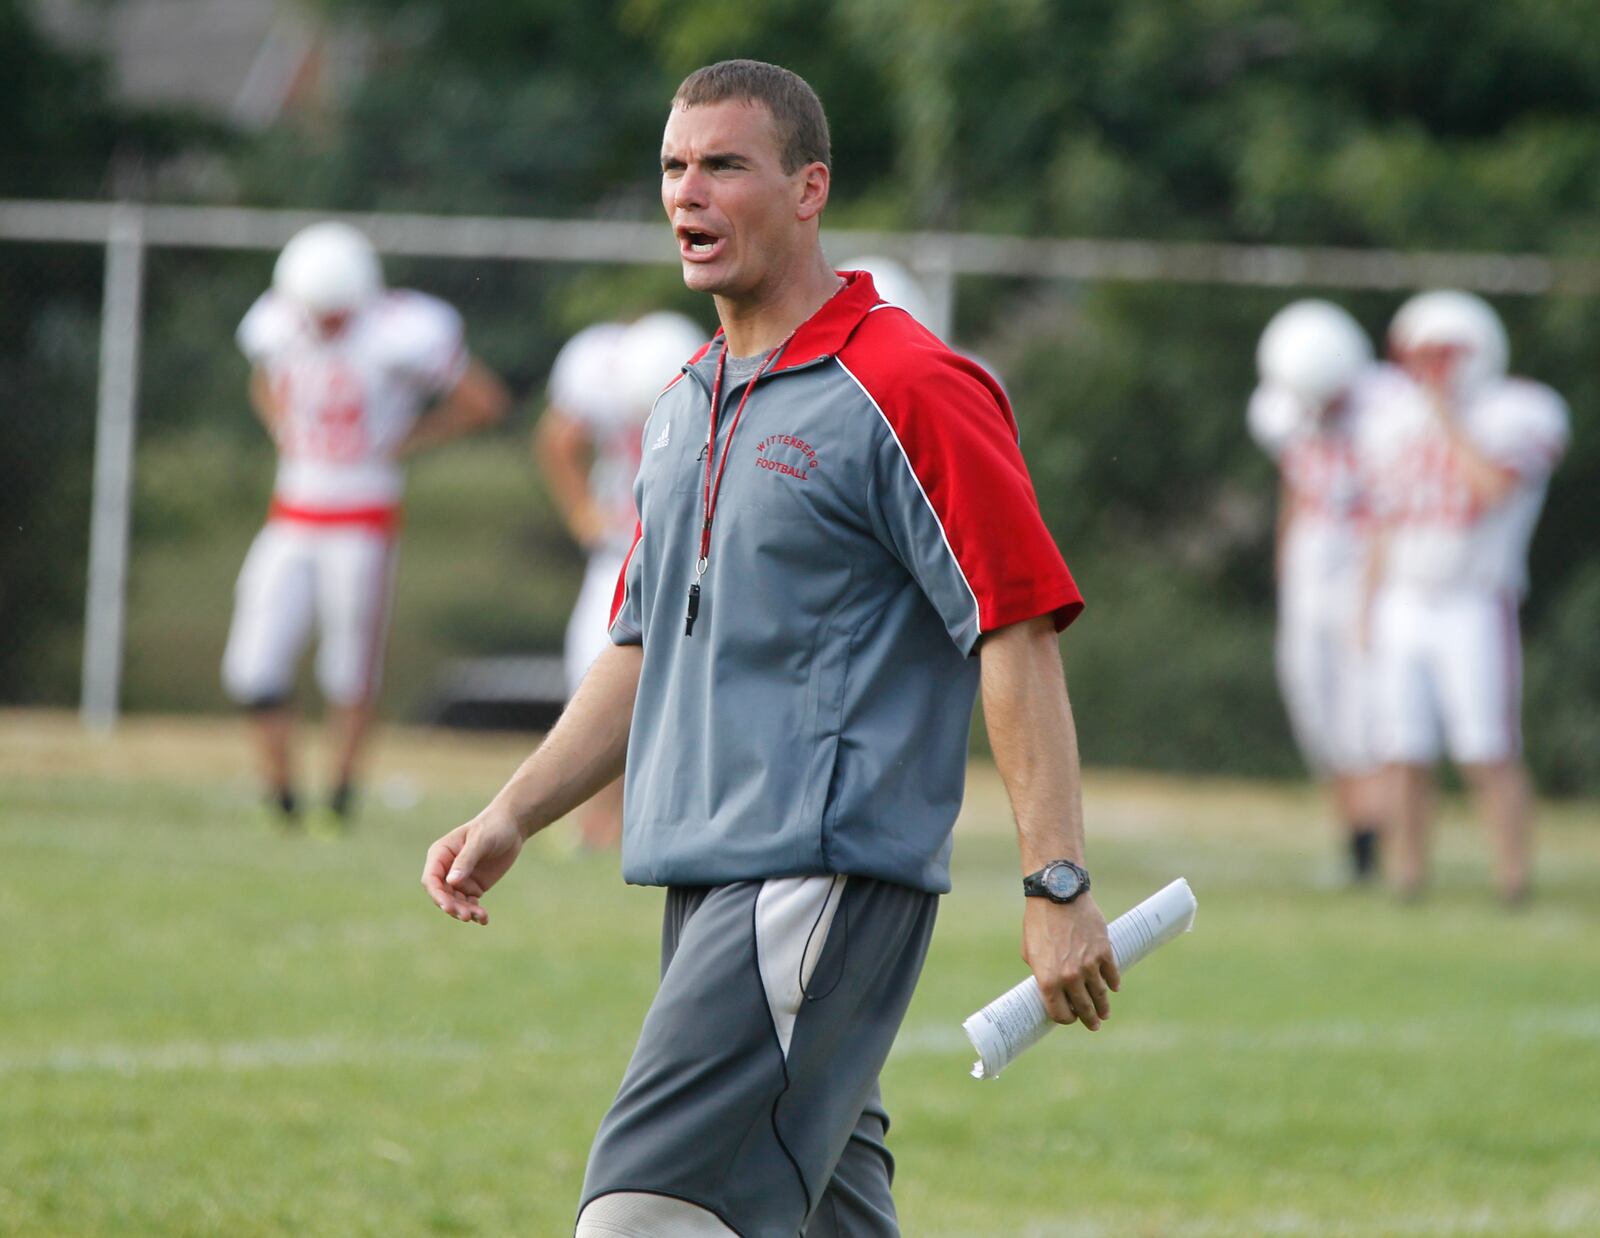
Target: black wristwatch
(1060,881)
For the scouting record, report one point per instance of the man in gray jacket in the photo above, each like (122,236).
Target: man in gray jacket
(839,546)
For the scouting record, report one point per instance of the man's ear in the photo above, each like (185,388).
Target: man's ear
(814,181)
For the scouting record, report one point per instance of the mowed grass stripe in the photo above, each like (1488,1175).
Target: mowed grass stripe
(206,1029)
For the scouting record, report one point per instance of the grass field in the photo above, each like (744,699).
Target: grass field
(206,1029)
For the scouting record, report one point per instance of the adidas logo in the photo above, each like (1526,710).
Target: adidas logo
(663,438)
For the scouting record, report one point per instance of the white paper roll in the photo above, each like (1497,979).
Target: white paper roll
(1016,1020)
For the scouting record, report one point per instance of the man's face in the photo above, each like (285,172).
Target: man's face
(331,326)
(1432,365)
(731,205)
(1334,407)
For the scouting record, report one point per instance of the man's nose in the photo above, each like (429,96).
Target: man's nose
(689,190)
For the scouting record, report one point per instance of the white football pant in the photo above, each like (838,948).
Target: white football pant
(339,578)
(588,631)
(1325,679)
(1449,667)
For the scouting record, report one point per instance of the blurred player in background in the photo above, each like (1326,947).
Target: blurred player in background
(602,386)
(1459,477)
(1316,370)
(342,371)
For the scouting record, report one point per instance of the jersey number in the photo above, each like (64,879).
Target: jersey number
(324,408)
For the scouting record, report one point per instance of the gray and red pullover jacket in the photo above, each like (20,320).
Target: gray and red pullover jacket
(875,520)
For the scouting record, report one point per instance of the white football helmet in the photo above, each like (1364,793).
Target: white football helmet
(1460,319)
(328,268)
(1314,350)
(650,354)
(896,285)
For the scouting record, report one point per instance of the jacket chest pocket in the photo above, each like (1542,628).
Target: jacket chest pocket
(674,457)
(689,467)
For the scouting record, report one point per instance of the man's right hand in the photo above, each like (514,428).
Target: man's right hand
(466,862)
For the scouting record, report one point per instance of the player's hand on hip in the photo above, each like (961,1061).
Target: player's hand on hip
(1066,946)
(466,862)
(589,524)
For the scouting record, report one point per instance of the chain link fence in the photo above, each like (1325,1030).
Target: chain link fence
(123,602)
(50,310)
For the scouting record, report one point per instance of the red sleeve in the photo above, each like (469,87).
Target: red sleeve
(971,505)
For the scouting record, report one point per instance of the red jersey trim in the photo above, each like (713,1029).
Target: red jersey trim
(379,519)
(619,595)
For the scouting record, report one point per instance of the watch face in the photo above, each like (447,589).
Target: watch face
(1061,881)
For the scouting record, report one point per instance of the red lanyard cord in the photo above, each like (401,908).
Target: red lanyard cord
(713,483)
(712,489)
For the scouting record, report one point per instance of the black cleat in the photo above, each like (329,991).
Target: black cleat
(281,810)
(342,803)
(1363,855)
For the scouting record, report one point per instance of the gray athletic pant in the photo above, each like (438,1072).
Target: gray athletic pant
(753,1091)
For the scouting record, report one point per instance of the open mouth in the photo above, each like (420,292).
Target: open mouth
(695,243)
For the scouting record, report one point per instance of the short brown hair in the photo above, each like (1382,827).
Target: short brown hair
(795,109)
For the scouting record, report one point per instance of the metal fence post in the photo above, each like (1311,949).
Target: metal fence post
(933,264)
(111,513)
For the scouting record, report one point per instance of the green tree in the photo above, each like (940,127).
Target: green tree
(1436,124)
(60,137)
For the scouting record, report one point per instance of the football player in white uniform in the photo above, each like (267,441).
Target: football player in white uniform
(1459,477)
(1316,370)
(604,382)
(342,371)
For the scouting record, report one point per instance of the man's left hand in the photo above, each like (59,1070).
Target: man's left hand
(1066,946)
